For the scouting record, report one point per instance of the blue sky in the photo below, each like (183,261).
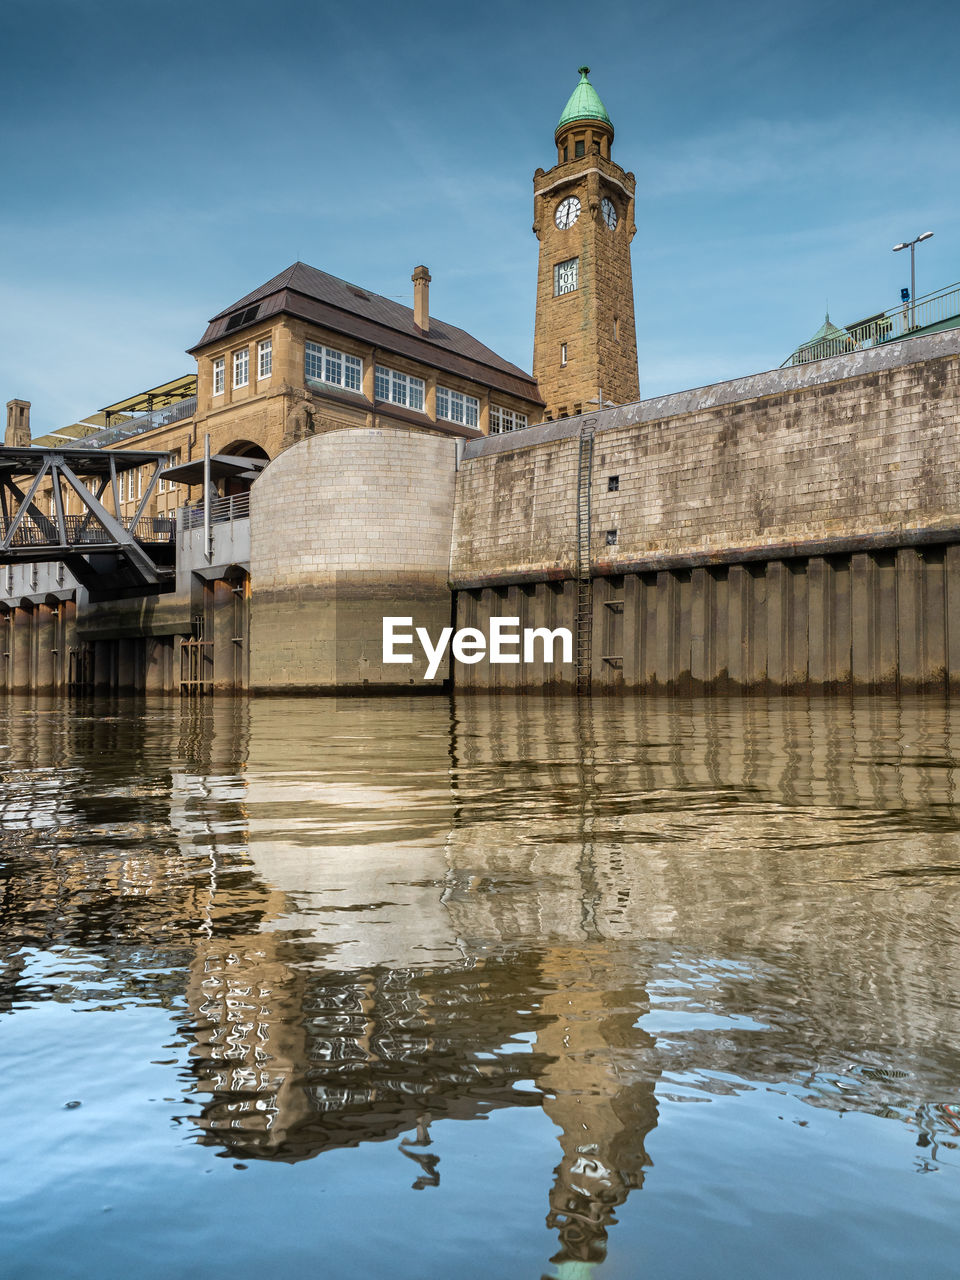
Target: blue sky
(160,161)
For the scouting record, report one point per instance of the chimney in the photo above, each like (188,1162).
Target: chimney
(421,298)
(18,424)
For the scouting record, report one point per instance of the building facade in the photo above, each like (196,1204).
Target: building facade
(338,458)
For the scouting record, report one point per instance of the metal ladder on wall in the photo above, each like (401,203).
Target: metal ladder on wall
(584,637)
(196,661)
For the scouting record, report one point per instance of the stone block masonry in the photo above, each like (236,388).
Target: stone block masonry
(345,528)
(790,530)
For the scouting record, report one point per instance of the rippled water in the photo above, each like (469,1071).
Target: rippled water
(506,987)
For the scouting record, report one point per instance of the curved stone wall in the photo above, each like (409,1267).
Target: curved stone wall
(346,527)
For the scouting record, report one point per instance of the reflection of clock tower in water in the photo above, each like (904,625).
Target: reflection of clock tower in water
(585,337)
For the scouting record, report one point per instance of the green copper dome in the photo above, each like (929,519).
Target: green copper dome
(584,104)
(827,331)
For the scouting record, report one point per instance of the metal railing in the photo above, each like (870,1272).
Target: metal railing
(222,511)
(898,322)
(46,533)
(81,531)
(156,529)
(151,421)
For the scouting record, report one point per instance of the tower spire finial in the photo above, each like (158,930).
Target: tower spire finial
(583,71)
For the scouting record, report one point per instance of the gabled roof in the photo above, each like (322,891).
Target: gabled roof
(335,304)
(583,104)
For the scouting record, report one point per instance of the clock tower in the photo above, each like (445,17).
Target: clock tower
(585,342)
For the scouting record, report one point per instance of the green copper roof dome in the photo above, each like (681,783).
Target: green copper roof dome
(584,104)
(826,331)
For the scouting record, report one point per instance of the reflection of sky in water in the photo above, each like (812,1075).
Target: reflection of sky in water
(690,970)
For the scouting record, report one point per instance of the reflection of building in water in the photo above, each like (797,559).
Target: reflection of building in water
(599,1086)
(508,894)
(586,866)
(755,832)
(104,845)
(354,1013)
(296,1058)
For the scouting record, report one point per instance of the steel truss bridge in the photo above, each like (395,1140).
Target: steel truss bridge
(98,544)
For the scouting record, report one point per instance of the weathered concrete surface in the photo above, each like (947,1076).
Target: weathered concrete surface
(806,459)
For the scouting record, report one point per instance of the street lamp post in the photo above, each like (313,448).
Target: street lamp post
(912,246)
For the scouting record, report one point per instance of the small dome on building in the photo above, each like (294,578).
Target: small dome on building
(829,340)
(826,331)
(584,104)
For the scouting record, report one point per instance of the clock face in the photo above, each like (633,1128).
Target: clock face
(609,212)
(568,211)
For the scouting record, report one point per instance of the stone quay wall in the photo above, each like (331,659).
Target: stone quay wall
(794,529)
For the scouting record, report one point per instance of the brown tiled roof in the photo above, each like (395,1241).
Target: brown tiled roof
(335,304)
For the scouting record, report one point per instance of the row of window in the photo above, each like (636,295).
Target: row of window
(454,406)
(398,388)
(324,364)
(241,366)
(505,420)
(339,369)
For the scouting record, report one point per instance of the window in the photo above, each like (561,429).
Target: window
(174,462)
(505,420)
(454,406)
(565,155)
(264,358)
(563,353)
(218,368)
(336,368)
(578,149)
(398,388)
(130,483)
(241,367)
(611,537)
(613,484)
(565,276)
(240,318)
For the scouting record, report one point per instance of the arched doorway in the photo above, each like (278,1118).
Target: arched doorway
(241,449)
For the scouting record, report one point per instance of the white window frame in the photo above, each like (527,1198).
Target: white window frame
(457,406)
(328,360)
(241,368)
(392,387)
(503,420)
(562,273)
(563,354)
(219,375)
(264,359)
